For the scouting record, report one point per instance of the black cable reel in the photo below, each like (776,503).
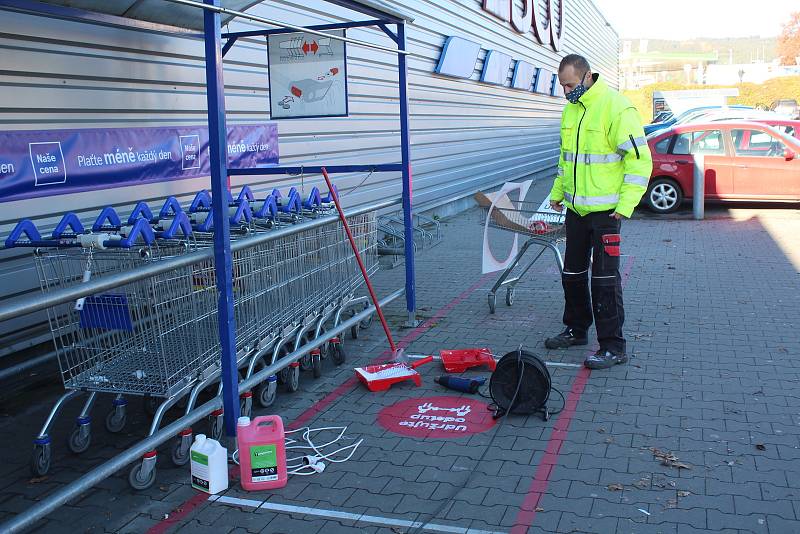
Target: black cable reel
(520,385)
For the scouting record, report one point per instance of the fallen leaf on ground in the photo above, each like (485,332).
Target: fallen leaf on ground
(601,430)
(164,488)
(684,493)
(672,503)
(37,480)
(679,465)
(761,446)
(668,459)
(539,509)
(642,484)
(615,487)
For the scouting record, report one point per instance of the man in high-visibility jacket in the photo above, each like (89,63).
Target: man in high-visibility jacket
(602,175)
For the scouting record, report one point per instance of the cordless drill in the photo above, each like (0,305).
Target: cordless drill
(466,385)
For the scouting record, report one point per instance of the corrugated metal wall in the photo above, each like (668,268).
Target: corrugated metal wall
(465,135)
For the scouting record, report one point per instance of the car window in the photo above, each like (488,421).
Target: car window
(702,142)
(750,143)
(663,146)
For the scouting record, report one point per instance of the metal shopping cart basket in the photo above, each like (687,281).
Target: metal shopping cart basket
(541,225)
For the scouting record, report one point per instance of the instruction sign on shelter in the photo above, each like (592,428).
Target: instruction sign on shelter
(307,75)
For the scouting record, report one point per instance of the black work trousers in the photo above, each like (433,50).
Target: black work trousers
(595,239)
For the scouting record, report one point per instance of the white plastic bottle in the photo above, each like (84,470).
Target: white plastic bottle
(209,462)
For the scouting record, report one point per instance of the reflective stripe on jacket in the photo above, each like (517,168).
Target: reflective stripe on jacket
(605,162)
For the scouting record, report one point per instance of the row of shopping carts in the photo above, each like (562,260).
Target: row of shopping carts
(158,338)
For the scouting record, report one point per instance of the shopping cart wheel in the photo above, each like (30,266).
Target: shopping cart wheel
(510,296)
(492,302)
(293,378)
(317,364)
(80,438)
(180,449)
(141,477)
(40,460)
(116,418)
(366,323)
(306,363)
(218,423)
(337,353)
(266,392)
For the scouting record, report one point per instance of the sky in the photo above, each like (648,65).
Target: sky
(687,19)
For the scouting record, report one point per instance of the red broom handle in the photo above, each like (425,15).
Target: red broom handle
(342,218)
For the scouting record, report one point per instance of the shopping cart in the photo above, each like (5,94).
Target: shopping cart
(541,225)
(158,338)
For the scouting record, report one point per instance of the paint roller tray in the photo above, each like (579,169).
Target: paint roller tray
(458,361)
(381,377)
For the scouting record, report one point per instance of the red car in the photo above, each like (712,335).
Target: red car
(743,161)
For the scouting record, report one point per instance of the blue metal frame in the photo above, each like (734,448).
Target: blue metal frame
(316,169)
(223,269)
(318,27)
(405,150)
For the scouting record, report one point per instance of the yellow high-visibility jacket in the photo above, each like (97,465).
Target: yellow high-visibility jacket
(605,162)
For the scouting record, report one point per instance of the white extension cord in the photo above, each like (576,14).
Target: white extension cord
(311,464)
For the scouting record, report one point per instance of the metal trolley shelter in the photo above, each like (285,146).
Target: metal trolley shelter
(210,15)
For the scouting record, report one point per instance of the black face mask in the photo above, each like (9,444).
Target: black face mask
(580,89)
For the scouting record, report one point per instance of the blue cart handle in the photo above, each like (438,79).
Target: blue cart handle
(207,225)
(293,205)
(140,211)
(276,194)
(268,210)
(329,198)
(171,208)
(141,229)
(314,199)
(243,211)
(26,228)
(180,224)
(229,196)
(107,220)
(201,202)
(69,221)
(247,193)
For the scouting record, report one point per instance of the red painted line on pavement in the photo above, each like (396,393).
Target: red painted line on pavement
(541,479)
(186,508)
(178,514)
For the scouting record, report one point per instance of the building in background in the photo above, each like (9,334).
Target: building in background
(494,120)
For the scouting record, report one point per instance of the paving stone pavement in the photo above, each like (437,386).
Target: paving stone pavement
(700,432)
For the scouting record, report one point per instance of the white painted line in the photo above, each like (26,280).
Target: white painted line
(334,514)
(561,364)
(549,364)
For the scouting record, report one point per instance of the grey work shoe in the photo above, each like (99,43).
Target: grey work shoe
(567,338)
(603,359)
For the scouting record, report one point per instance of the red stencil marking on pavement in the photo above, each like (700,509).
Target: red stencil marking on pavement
(437,417)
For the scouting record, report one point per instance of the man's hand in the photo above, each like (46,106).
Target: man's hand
(557,205)
(616,215)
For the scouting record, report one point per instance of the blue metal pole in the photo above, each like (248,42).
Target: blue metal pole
(217,148)
(405,149)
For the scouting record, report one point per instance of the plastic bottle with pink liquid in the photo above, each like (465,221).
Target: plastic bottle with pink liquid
(262,452)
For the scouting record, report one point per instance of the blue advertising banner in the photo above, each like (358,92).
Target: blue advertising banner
(45,163)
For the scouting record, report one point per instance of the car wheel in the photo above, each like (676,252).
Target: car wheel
(663,195)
